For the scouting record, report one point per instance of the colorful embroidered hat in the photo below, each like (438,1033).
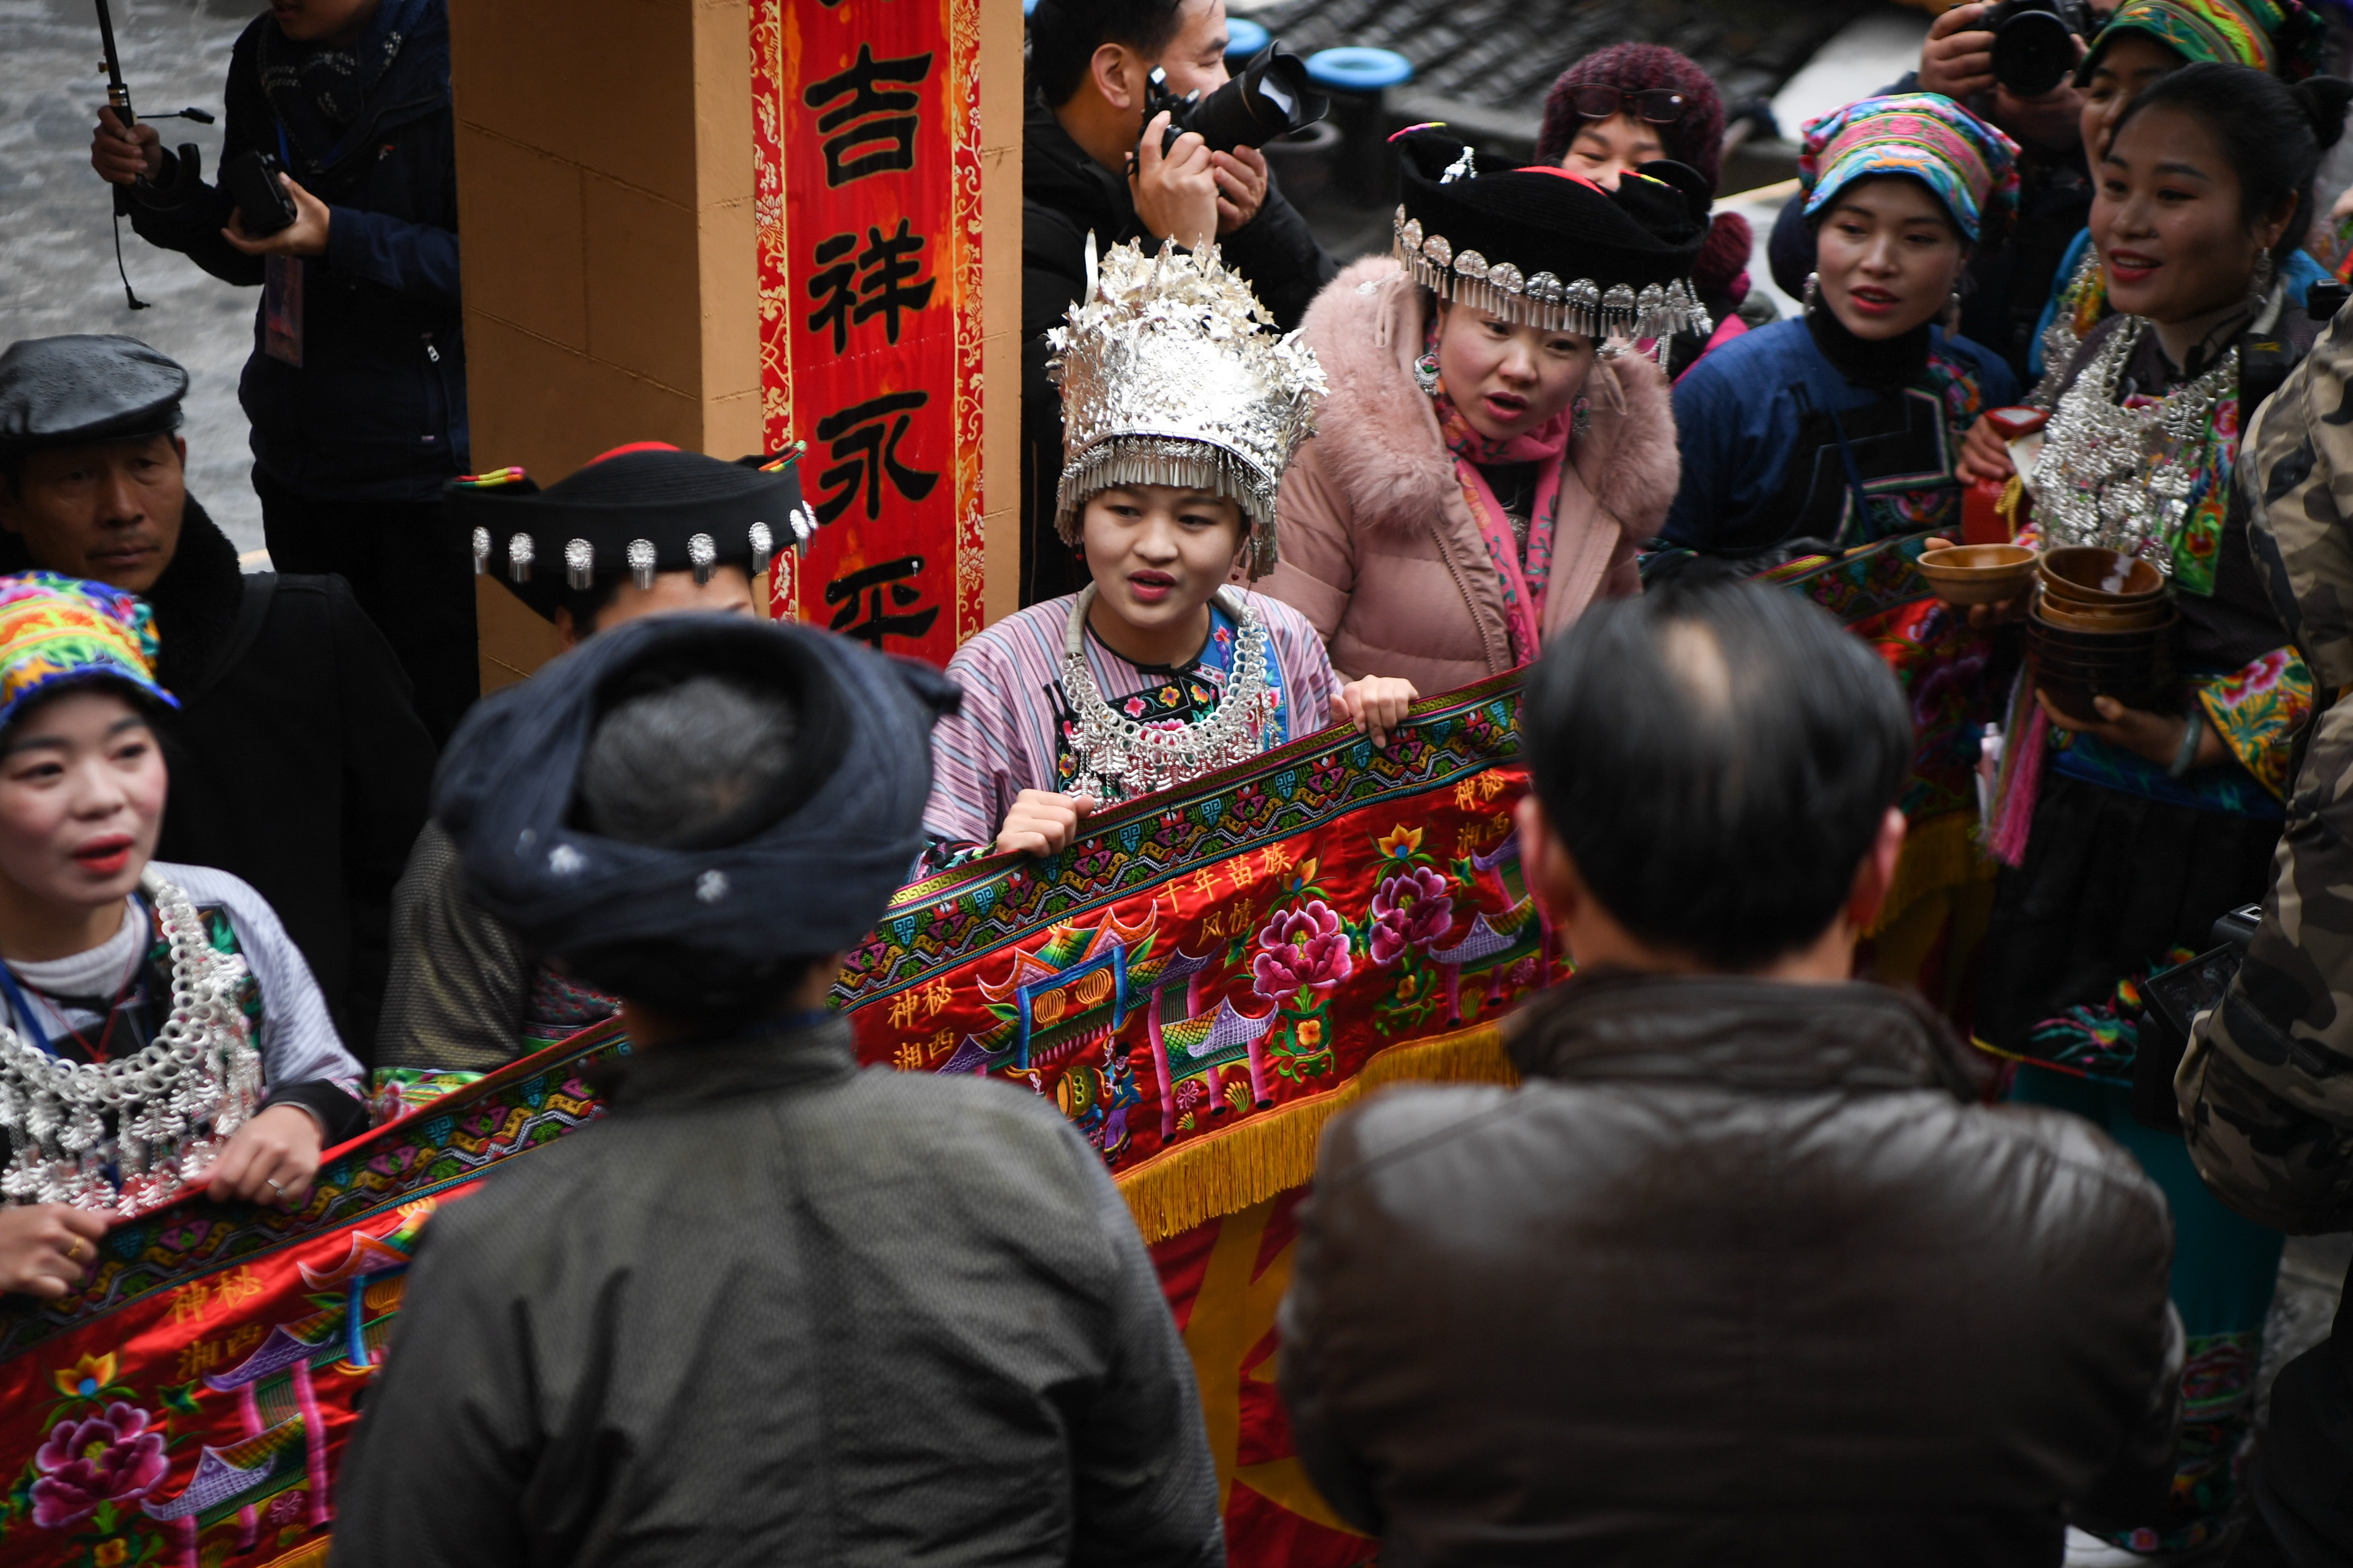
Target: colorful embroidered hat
(2283,37)
(56,630)
(1552,250)
(1971,166)
(1172,375)
(643,509)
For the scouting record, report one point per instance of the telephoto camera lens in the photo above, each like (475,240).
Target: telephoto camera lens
(2033,47)
(1269,97)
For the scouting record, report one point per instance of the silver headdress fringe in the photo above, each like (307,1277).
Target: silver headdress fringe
(1543,302)
(1169,378)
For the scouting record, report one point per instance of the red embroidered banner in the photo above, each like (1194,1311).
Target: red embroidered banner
(186,1408)
(1199,985)
(1205,978)
(865,116)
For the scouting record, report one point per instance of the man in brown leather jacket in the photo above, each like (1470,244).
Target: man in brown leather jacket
(1741,1271)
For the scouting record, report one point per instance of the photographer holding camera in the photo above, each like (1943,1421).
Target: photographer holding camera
(1100,166)
(2011,63)
(338,196)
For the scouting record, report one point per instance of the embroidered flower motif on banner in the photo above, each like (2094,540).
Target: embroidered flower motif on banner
(1411,909)
(95,1461)
(1299,949)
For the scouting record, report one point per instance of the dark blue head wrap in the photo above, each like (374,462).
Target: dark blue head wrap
(716,926)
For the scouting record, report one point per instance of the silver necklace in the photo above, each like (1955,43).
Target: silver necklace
(1119,758)
(2120,477)
(170,1107)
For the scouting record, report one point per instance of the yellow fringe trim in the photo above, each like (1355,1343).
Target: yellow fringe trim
(1939,853)
(1274,1151)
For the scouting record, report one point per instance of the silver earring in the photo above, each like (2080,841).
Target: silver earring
(2261,288)
(1811,295)
(1425,373)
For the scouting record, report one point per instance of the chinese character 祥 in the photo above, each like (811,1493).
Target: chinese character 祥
(883,120)
(865,617)
(885,282)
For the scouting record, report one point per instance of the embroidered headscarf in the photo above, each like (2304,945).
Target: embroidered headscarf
(59,631)
(1970,166)
(2283,37)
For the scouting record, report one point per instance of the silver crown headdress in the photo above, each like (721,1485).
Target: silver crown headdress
(1172,375)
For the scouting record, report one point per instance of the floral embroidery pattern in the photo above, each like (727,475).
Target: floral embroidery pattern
(93,1461)
(2259,710)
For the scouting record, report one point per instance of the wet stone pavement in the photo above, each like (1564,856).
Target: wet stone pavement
(56,247)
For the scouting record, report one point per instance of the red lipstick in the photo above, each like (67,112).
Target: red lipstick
(105,854)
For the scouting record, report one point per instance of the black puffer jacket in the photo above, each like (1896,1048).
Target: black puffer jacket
(1739,1274)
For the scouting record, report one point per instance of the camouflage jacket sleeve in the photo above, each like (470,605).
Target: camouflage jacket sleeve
(2266,1087)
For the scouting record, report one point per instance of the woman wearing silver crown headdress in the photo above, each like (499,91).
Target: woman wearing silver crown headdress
(1488,461)
(159,1032)
(1181,410)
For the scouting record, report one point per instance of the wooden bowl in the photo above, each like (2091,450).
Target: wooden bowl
(2094,633)
(2105,618)
(1978,573)
(2086,573)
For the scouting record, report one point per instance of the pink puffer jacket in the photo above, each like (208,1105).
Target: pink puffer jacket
(1380,549)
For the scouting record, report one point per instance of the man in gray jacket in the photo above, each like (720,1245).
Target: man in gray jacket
(773,1309)
(1741,1272)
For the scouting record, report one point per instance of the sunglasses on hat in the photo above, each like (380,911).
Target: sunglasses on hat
(1659,105)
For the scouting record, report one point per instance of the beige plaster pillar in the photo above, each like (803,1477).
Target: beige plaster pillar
(606,172)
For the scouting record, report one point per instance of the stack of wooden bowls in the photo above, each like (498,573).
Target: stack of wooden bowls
(2099,624)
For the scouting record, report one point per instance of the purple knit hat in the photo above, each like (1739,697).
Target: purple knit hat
(1697,138)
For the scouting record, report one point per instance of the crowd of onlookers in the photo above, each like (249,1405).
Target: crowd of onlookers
(1854,1204)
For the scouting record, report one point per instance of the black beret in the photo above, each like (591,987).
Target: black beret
(69,391)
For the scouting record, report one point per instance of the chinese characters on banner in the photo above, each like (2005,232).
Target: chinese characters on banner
(867,117)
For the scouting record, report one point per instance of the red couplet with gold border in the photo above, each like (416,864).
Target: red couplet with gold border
(867,125)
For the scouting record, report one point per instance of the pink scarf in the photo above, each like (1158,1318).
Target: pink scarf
(1547,444)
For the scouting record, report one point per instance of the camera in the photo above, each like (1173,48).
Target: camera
(2034,42)
(1268,98)
(2173,998)
(262,204)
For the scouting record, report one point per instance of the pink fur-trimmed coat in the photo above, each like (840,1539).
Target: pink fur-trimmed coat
(1381,552)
